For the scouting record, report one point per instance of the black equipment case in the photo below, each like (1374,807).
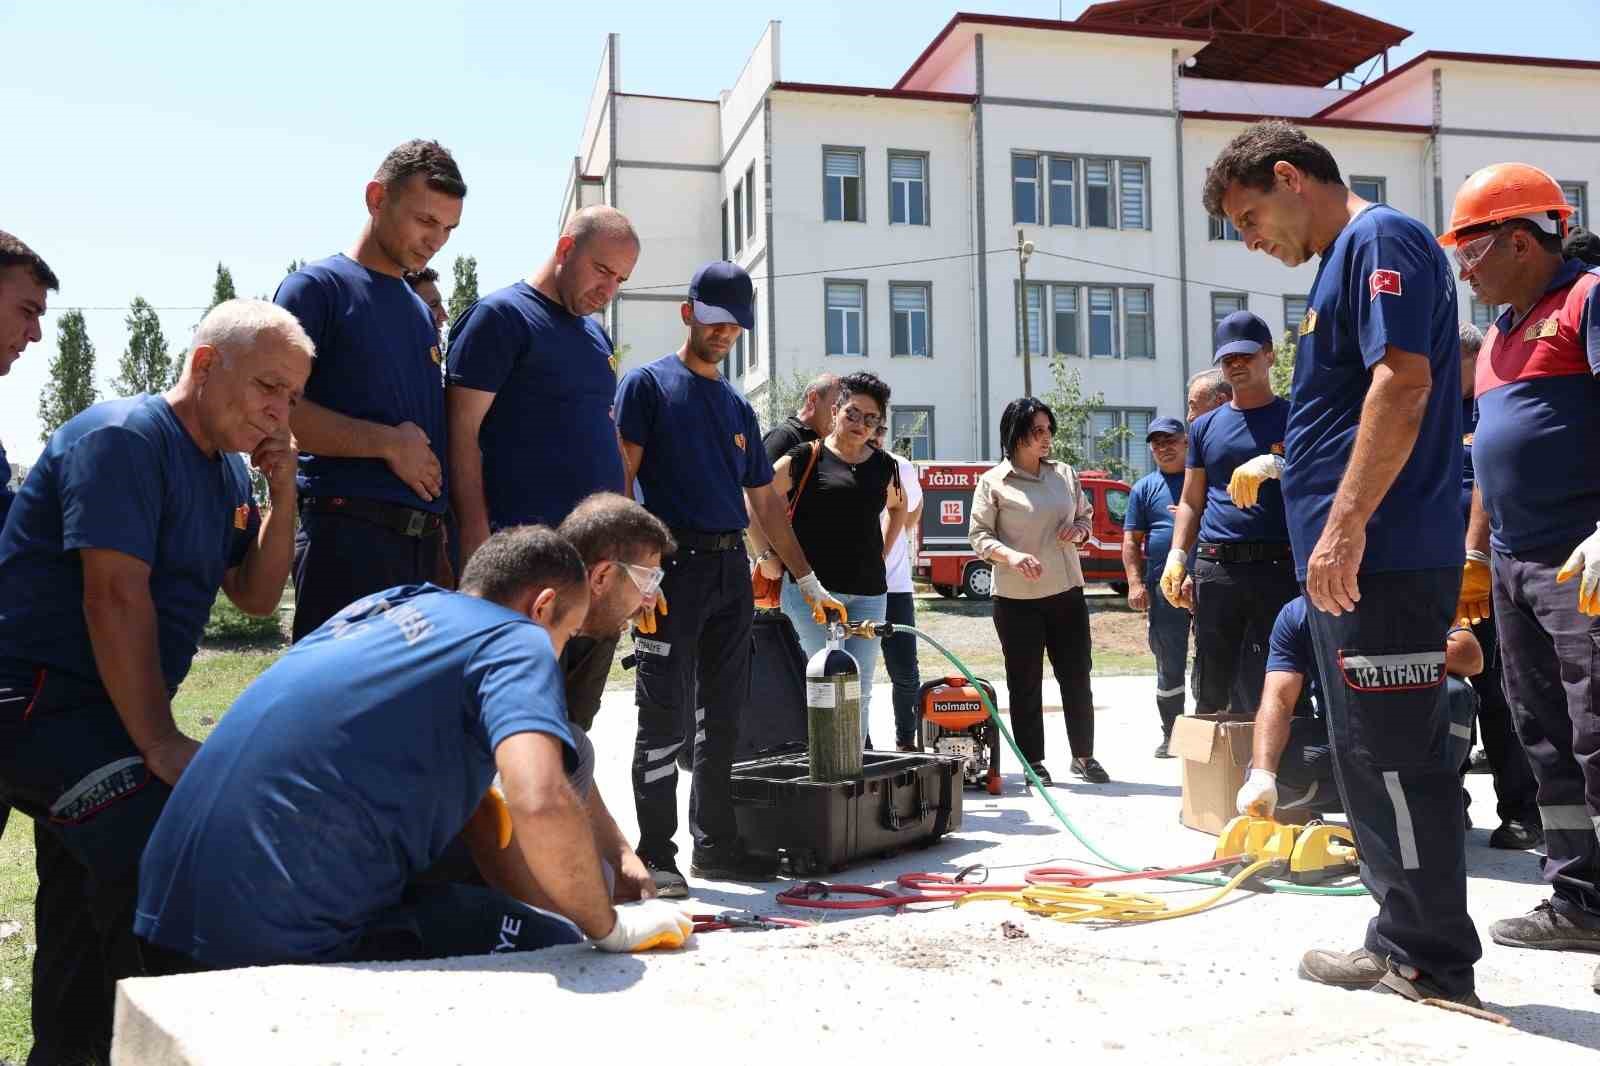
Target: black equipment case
(900,801)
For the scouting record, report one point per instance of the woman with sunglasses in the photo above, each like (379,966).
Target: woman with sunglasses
(844,485)
(1029,514)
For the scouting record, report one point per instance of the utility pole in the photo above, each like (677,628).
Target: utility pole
(1024,250)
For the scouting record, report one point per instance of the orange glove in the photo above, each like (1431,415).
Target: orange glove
(494,816)
(1472,604)
(645,622)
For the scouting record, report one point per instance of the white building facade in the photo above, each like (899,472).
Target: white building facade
(880,225)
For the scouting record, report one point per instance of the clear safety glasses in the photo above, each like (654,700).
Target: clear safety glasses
(647,579)
(1468,254)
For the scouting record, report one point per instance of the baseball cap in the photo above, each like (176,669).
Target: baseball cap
(1162,426)
(1582,244)
(1241,333)
(721,293)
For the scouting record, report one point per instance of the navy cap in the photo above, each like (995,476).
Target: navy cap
(1164,425)
(1241,333)
(721,293)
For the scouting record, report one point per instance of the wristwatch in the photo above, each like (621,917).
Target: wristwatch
(764,556)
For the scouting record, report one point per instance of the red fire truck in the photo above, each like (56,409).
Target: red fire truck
(945,558)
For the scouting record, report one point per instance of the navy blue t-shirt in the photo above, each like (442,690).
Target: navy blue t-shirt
(1152,506)
(1221,440)
(702,446)
(1384,281)
(1289,649)
(377,360)
(547,439)
(6,495)
(122,476)
(340,774)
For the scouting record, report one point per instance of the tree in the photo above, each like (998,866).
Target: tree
(222,288)
(70,387)
(146,366)
(294,265)
(784,396)
(464,293)
(1283,369)
(1072,410)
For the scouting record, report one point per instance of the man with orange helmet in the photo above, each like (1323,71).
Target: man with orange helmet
(1535,521)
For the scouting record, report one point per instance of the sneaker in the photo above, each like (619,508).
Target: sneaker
(1357,970)
(1044,775)
(905,745)
(732,863)
(1090,770)
(670,884)
(1410,982)
(1516,836)
(1545,927)
(1161,749)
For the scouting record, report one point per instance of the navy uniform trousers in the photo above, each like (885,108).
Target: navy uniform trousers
(1551,655)
(1382,667)
(1168,635)
(1235,605)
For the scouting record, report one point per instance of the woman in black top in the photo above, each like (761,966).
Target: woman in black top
(836,519)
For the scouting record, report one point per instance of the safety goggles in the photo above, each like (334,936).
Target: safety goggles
(647,579)
(1468,254)
(858,418)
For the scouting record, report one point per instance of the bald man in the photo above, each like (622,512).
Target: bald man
(530,384)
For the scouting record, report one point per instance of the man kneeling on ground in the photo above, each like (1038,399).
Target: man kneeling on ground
(342,774)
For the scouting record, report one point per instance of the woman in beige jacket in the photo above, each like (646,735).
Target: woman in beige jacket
(1029,514)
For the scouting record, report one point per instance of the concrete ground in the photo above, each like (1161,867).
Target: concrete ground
(1217,987)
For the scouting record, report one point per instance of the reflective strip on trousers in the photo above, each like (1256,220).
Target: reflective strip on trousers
(1571,817)
(1403,830)
(1459,730)
(1163,693)
(657,754)
(652,776)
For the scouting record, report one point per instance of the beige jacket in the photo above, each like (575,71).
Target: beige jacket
(1015,510)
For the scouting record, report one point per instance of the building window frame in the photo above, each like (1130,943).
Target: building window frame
(726,236)
(898,429)
(1223,229)
(1134,454)
(750,202)
(1016,179)
(755,350)
(1240,300)
(1381,184)
(894,198)
(1051,313)
(1291,321)
(860,285)
(1580,202)
(738,217)
(1071,183)
(926,289)
(1119,171)
(860,178)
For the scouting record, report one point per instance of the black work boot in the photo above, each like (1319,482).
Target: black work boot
(732,862)
(1356,970)
(1516,836)
(1545,927)
(1413,984)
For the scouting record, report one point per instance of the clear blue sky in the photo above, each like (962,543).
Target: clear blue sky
(144,142)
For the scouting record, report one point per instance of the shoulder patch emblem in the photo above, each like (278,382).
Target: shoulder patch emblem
(1380,281)
(1547,327)
(738,438)
(1308,324)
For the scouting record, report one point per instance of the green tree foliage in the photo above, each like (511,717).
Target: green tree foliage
(222,288)
(294,265)
(146,365)
(1283,369)
(70,386)
(464,293)
(1072,408)
(784,397)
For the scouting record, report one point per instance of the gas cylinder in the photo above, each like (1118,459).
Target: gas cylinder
(833,711)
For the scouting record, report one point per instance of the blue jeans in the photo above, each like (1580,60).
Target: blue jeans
(812,637)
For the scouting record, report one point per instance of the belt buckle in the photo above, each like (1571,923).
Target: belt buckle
(415,524)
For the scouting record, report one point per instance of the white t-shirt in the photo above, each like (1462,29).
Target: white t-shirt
(897,567)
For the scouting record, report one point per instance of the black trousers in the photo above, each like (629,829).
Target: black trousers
(1235,605)
(1398,765)
(585,664)
(1515,789)
(1029,629)
(900,659)
(1552,670)
(339,559)
(694,669)
(67,763)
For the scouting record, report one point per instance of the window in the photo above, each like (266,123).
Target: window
(724,229)
(738,217)
(1063,191)
(750,201)
(1294,313)
(908,307)
(915,423)
(739,353)
(841,185)
(1223,230)
(1372,189)
(1577,194)
(1102,322)
(1138,332)
(846,314)
(1065,302)
(1224,304)
(1035,320)
(1097,205)
(908,189)
(1117,505)
(1115,435)
(1483,315)
(1025,190)
(1135,204)
(755,346)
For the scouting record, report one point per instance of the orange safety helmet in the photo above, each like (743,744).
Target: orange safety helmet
(1502,191)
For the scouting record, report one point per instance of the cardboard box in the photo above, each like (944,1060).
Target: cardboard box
(1215,749)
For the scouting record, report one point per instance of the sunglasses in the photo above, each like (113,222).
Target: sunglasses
(857,418)
(1469,254)
(647,579)
(1040,432)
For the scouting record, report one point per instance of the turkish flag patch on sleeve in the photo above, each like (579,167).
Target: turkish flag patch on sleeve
(1383,281)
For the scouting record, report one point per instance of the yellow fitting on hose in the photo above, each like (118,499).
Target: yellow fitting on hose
(1067,904)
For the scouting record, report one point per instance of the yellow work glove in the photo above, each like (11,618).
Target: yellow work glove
(494,816)
(1172,577)
(1585,559)
(821,600)
(645,622)
(651,923)
(1472,604)
(1244,487)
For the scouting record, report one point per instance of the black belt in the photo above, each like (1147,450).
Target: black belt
(407,521)
(709,542)
(1245,552)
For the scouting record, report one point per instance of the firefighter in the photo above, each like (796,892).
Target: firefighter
(1535,523)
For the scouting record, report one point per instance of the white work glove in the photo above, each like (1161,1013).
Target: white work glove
(1259,796)
(651,923)
(1172,578)
(1585,558)
(821,600)
(1245,484)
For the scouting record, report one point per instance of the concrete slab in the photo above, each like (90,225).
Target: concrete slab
(1216,987)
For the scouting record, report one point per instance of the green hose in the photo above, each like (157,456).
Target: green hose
(1027,768)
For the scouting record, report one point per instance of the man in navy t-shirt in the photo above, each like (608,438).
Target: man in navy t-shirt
(1371,487)
(1231,502)
(371,429)
(342,774)
(693,443)
(25,281)
(1146,539)
(137,513)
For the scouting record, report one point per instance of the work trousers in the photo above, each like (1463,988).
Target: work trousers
(900,659)
(67,763)
(585,665)
(1551,652)
(339,559)
(1515,790)
(1030,629)
(1167,629)
(695,669)
(1235,605)
(1398,763)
